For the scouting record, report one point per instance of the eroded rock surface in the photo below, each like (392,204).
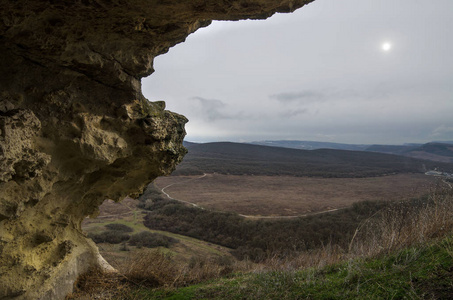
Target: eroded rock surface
(75,128)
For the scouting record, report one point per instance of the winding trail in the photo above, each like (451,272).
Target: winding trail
(291,217)
(245,216)
(440,175)
(181,182)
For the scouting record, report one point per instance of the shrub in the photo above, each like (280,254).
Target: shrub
(259,239)
(151,240)
(151,192)
(151,198)
(112,237)
(119,227)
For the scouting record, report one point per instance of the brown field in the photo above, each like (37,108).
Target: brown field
(290,196)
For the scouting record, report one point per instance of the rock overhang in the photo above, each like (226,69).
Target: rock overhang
(75,128)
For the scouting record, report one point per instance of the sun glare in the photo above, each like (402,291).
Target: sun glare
(386,46)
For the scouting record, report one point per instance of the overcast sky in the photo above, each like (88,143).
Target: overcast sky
(320,73)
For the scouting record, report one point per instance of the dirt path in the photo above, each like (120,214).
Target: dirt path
(245,216)
(439,175)
(447,183)
(291,217)
(182,182)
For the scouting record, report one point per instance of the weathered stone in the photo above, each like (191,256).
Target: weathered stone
(75,128)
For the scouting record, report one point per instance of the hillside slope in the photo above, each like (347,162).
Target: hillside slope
(422,272)
(239,159)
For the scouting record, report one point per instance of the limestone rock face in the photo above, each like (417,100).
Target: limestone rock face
(75,128)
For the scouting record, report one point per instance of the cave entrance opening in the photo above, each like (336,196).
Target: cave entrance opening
(347,75)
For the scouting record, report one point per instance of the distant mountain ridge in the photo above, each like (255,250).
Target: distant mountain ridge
(239,159)
(433,151)
(311,145)
(436,151)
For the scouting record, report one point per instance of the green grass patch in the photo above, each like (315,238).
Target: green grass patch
(423,272)
(138,226)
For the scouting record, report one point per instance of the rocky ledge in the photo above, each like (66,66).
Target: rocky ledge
(75,128)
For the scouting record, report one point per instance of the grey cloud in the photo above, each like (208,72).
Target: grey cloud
(313,96)
(442,130)
(307,96)
(380,91)
(293,113)
(213,109)
(331,82)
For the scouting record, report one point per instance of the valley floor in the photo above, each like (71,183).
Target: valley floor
(288,195)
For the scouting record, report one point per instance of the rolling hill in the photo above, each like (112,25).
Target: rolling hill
(433,151)
(311,145)
(240,159)
(441,151)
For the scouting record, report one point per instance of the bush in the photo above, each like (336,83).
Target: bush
(119,227)
(151,192)
(150,197)
(112,237)
(259,239)
(151,240)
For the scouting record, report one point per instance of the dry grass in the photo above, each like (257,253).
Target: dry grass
(96,284)
(153,268)
(392,229)
(286,196)
(403,225)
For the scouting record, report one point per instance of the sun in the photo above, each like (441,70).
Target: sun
(386,46)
